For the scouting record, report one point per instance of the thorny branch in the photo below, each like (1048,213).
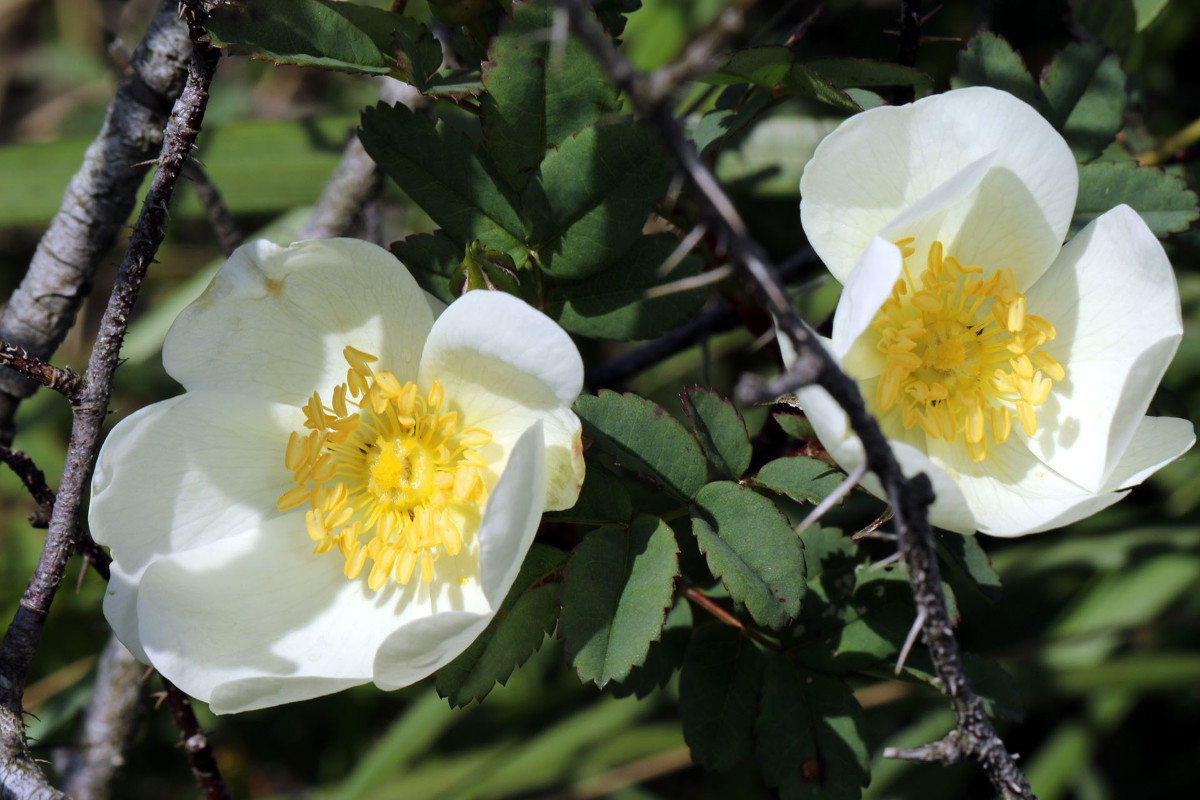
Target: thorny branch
(909,498)
(61,380)
(195,744)
(96,204)
(19,777)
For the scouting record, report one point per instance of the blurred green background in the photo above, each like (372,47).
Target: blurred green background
(1099,624)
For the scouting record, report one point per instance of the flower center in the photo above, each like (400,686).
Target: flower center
(385,473)
(962,354)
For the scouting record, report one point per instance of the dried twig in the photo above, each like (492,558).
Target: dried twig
(910,39)
(354,183)
(34,480)
(195,744)
(60,379)
(910,498)
(219,218)
(108,724)
(18,775)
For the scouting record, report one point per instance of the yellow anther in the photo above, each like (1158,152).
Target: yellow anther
(339,401)
(359,360)
(961,353)
(1016,314)
(388,383)
(380,473)
(293,497)
(297,452)
(1049,365)
(404,566)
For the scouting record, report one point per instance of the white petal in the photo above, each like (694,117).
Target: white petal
(950,509)
(1012,493)
(506,366)
(510,521)
(260,620)
(1157,442)
(880,162)
(274,321)
(187,472)
(1113,299)
(511,516)
(867,287)
(120,609)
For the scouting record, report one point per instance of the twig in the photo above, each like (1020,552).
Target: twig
(34,480)
(109,722)
(833,498)
(219,218)
(96,205)
(356,180)
(24,633)
(724,617)
(910,40)
(60,379)
(910,498)
(196,744)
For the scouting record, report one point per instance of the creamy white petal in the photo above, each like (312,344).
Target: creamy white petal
(510,521)
(1157,442)
(261,620)
(120,609)
(866,288)
(1113,299)
(275,320)
(950,509)
(188,472)
(506,366)
(880,162)
(1012,493)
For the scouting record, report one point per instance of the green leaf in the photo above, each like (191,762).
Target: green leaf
(729,118)
(719,429)
(438,168)
(965,553)
(592,196)
(1111,21)
(539,95)
(322,33)
(645,438)
(617,588)
(664,657)
(859,73)
(613,305)
(1085,96)
(528,613)
(801,478)
(991,61)
(776,69)
(1162,198)
(796,426)
(770,158)
(1147,11)
(602,499)
(432,259)
(719,685)
(809,734)
(612,13)
(751,547)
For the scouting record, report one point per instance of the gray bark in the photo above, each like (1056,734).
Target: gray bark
(96,204)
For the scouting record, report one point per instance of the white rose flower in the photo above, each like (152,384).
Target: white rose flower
(348,486)
(1013,371)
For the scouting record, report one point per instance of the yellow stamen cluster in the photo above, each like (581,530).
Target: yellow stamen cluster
(962,353)
(382,468)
